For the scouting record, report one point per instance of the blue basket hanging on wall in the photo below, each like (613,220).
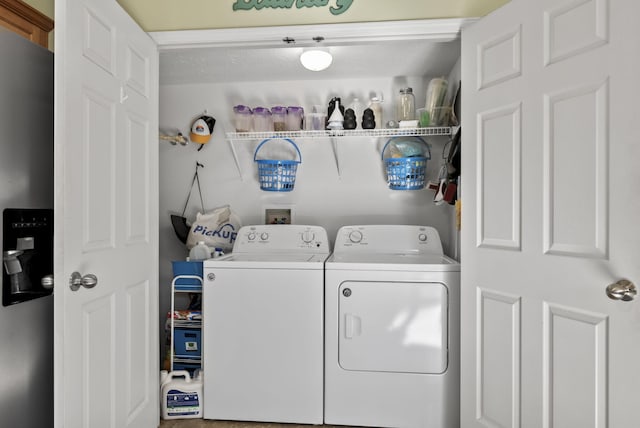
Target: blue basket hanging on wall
(406,162)
(277,175)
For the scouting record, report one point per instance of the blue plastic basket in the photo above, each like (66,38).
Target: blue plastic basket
(406,173)
(277,175)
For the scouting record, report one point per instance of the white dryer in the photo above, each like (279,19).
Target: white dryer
(391,329)
(263,326)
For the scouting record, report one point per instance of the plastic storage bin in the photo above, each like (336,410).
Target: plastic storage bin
(187,268)
(187,342)
(277,175)
(191,368)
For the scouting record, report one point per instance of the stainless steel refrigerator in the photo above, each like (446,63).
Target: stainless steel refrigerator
(26,202)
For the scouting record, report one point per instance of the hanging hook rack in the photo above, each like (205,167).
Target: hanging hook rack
(175,139)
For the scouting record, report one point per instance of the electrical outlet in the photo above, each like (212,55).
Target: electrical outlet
(277,216)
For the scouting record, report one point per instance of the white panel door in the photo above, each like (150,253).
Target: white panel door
(550,215)
(106,161)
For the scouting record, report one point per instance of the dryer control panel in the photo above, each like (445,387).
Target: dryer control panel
(390,239)
(281,238)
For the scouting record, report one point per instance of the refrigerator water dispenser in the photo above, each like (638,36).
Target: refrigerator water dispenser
(27,254)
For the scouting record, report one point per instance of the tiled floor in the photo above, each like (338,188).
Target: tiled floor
(200,423)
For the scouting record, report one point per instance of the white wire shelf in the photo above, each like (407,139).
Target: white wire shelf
(386,132)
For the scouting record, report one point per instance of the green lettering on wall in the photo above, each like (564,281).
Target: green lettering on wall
(340,7)
(311,3)
(243,4)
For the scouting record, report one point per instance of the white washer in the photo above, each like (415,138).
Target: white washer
(391,329)
(263,326)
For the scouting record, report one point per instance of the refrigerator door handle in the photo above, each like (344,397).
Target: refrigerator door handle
(47,282)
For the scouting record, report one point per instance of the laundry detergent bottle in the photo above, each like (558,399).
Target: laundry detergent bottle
(181,396)
(199,252)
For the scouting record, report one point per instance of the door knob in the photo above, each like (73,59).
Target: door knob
(622,290)
(87,281)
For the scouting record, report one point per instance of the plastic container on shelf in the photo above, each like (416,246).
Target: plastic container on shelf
(293,121)
(406,105)
(262,120)
(357,108)
(336,120)
(279,117)
(315,121)
(436,95)
(243,118)
(199,252)
(375,104)
(424,117)
(442,116)
(334,103)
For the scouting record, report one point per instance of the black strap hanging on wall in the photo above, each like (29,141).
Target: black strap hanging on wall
(179,223)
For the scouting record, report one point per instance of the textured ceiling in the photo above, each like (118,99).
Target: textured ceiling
(366,60)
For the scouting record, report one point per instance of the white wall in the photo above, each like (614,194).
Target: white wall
(358,196)
(158,15)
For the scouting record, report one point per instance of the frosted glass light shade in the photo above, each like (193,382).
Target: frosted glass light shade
(316,59)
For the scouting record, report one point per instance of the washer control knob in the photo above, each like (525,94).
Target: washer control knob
(308,236)
(422,237)
(211,276)
(355,236)
(346,292)
(251,236)
(264,236)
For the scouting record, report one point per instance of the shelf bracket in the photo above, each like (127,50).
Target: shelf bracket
(235,157)
(334,146)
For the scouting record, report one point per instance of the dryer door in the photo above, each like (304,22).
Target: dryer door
(393,327)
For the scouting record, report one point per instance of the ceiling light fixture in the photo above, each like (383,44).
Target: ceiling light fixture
(316,59)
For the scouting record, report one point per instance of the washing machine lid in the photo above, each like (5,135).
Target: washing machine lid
(268,261)
(392,262)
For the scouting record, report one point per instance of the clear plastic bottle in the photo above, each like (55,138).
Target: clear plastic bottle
(375,104)
(406,106)
(200,252)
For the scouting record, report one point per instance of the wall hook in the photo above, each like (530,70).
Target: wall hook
(174,139)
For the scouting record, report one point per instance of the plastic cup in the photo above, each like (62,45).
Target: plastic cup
(424,118)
